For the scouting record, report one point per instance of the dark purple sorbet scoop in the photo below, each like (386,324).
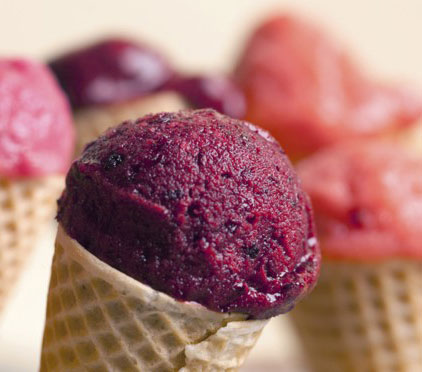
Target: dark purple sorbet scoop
(110,71)
(199,206)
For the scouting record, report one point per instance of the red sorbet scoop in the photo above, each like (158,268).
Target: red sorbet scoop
(197,205)
(367,200)
(36,130)
(303,88)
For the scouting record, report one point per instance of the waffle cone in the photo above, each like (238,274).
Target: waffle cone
(92,122)
(26,206)
(99,319)
(364,317)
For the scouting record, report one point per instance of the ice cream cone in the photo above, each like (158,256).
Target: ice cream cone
(91,122)
(364,317)
(25,207)
(100,319)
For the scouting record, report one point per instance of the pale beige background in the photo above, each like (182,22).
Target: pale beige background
(205,34)
(197,36)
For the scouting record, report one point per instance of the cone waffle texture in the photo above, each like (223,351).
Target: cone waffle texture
(92,122)
(99,319)
(364,317)
(26,206)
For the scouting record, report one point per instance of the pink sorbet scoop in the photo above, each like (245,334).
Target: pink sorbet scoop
(36,131)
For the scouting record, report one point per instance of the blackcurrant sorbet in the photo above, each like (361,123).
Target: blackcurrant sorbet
(199,206)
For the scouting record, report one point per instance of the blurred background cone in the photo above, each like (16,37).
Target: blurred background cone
(364,317)
(26,206)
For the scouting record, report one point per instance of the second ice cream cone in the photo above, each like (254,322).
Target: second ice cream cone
(365,312)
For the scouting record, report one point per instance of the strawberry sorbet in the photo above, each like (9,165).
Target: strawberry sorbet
(306,90)
(367,200)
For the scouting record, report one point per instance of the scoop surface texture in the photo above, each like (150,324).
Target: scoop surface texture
(197,205)
(367,200)
(36,130)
